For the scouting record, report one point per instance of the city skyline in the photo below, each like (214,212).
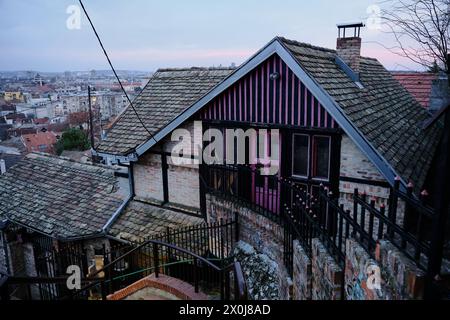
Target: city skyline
(36,37)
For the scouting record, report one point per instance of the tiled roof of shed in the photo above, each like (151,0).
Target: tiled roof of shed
(141,221)
(59,197)
(383,111)
(168,93)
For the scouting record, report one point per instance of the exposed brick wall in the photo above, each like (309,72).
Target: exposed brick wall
(183,179)
(349,49)
(184,185)
(176,287)
(327,276)
(260,232)
(148,183)
(302,273)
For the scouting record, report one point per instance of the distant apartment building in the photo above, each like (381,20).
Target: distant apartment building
(14,96)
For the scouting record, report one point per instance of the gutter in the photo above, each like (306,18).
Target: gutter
(116,215)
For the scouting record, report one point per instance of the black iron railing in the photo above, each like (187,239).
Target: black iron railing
(306,215)
(164,258)
(180,253)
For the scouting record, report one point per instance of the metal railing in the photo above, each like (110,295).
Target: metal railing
(305,215)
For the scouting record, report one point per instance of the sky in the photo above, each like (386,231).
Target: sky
(146,34)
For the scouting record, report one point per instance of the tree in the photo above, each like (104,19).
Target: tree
(421,30)
(73,139)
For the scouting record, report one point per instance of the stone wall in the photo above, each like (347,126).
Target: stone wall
(390,276)
(327,276)
(263,277)
(405,278)
(302,273)
(260,232)
(360,269)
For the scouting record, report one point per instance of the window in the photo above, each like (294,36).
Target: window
(321,157)
(42,147)
(300,155)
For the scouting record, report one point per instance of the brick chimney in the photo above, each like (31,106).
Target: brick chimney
(349,45)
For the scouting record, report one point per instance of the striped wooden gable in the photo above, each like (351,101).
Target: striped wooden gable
(256,98)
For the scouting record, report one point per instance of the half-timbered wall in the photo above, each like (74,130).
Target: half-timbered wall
(256,98)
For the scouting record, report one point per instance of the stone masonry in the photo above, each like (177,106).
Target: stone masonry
(258,231)
(404,277)
(327,276)
(302,273)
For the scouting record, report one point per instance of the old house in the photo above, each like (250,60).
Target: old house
(350,149)
(343,124)
(344,121)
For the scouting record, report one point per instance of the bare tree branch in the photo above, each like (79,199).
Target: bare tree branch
(421,30)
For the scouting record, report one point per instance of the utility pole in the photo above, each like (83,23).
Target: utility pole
(91,126)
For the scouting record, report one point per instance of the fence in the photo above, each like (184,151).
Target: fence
(180,252)
(306,215)
(163,258)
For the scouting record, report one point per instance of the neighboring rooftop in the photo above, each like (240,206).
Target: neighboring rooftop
(141,221)
(419,84)
(39,142)
(59,197)
(168,93)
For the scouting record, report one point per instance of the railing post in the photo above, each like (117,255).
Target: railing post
(227,285)
(407,213)
(392,214)
(222,289)
(156,259)
(195,275)
(103,289)
(236,226)
(4,291)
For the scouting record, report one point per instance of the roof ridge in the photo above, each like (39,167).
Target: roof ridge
(42,155)
(304,44)
(195,69)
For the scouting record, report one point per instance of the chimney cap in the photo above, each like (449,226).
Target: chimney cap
(351,25)
(356,26)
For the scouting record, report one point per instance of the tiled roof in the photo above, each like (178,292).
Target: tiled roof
(140,221)
(383,111)
(418,84)
(59,197)
(166,95)
(33,142)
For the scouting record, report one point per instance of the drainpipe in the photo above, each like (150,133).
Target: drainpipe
(3,225)
(2,166)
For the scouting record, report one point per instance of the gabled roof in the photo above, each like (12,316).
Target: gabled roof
(168,93)
(59,197)
(382,117)
(384,112)
(419,84)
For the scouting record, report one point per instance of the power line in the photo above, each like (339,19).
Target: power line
(114,71)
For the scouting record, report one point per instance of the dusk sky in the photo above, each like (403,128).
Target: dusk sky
(146,35)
